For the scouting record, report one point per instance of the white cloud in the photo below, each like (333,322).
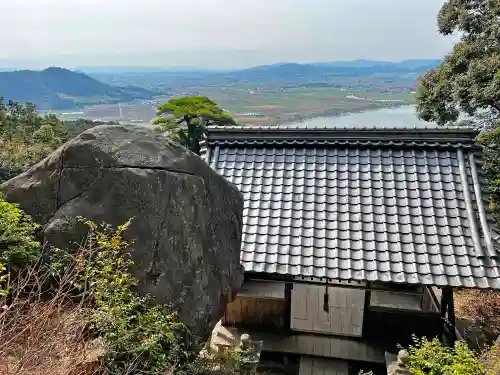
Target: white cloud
(213,32)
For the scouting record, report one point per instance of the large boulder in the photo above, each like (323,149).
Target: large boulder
(187,219)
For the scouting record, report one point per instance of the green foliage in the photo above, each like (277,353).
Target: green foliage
(432,358)
(16,156)
(22,122)
(186,119)
(137,333)
(233,361)
(491,359)
(18,246)
(200,106)
(26,138)
(4,279)
(469,78)
(75,127)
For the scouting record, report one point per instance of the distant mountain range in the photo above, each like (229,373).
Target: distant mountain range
(142,69)
(57,88)
(361,63)
(325,70)
(319,74)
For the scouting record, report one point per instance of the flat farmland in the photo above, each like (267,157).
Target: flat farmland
(255,106)
(284,106)
(121,112)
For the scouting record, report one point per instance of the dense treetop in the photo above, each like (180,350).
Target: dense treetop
(26,137)
(468,80)
(186,119)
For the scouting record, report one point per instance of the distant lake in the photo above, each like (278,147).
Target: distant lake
(398,117)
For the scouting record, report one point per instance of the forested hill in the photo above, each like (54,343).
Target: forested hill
(57,88)
(333,70)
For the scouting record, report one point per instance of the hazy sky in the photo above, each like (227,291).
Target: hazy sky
(215,33)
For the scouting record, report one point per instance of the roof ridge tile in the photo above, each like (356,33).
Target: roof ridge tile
(392,137)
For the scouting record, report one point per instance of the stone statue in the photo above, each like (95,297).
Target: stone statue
(245,342)
(250,354)
(399,367)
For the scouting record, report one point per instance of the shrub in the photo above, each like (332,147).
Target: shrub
(137,334)
(71,313)
(4,288)
(16,156)
(491,359)
(431,357)
(57,306)
(18,246)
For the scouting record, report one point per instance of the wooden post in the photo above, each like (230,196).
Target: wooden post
(442,313)
(447,312)
(366,310)
(451,315)
(444,303)
(288,309)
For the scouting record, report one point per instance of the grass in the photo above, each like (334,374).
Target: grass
(45,335)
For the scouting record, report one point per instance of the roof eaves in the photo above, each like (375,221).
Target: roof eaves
(432,137)
(483,221)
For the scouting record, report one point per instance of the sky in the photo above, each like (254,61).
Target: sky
(215,33)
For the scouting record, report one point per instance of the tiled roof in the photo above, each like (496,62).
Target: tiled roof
(388,205)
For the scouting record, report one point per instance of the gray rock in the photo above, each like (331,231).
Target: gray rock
(399,367)
(187,219)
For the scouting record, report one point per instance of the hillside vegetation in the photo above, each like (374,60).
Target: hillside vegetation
(26,137)
(56,88)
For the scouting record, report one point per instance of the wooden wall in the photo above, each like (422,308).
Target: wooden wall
(343,317)
(430,300)
(389,328)
(255,312)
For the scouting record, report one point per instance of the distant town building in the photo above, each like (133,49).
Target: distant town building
(252,114)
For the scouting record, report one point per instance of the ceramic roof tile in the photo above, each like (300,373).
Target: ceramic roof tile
(393,210)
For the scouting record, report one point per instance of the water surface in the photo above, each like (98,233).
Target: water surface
(399,117)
